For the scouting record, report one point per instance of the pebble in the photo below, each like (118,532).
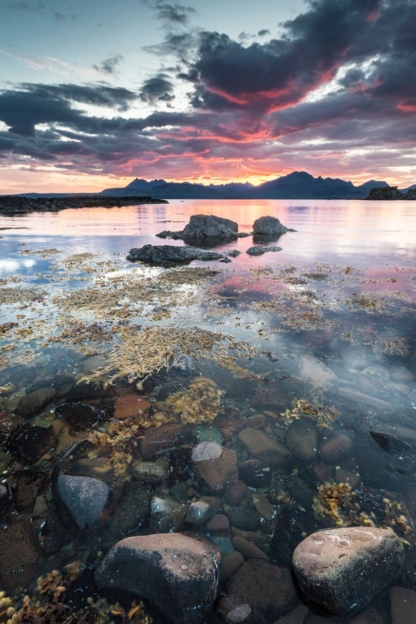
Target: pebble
(130,405)
(167,514)
(235,492)
(150,472)
(209,434)
(239,614)
(302,439)
(365,399)
(218,523)
(224,544)
(297,616)
(254,473)
(243,518)
(34,402)
(263,506)
(335,448)
(216,473)
(206,450)
(264,448)
(248,549)
(85,497)
(345,476)
(203,509)
(229,564)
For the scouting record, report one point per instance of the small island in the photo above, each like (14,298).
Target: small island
(12,204)
(390,193)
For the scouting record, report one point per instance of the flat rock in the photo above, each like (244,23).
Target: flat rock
(302,439)
(169,255)
(150,472)
(403,605)
(268,226)
(131,512)
(206,450)
(34,402)
(29,442)
(364,399)
(264,448)
(259,250)
(243,518)
(248,549)
(177,574)
(166,438)
(20,557)
(81,416)
(130,405)
(216,473)
(235,492)
(85,497)
(343,569)
(218,523)
(335,448)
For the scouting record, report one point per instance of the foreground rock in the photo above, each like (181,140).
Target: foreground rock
(85,497)
(168,255)
(207,228)
(258,250)
(268,226)
(343,569)
(20,556)
(12,203)
(177,574)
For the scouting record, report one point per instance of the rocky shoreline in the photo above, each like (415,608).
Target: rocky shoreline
(12,204)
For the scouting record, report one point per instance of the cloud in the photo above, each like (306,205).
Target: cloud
(158,88)
(61,17)
(109,65)
(173,14)
(23,5)
(263,32)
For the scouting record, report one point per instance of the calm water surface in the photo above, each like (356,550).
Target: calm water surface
(328,325)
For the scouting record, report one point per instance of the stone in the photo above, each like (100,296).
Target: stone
(315,371)
(302,439)
(202,510)
(401,373)
(264,448)
(167,515)
(229,564)
(268,226)
(345,476)
(29,442)
(28,485)
(254,473)
(389,443)
(130,405)
(403,605)
(267,588)
(364,399)
(296,616)
(34,402)
(216,473)
(235,493)
(85,497)
(300,491)
(20,557)
(218,523)
(206,450)
(201,227)
(238,614)
(131,512)
(169,255)
(243,518)
(248,549)
(224,544)
(368,617)
(163,439)
(177,574)
(81,416)
(150,472)
(342,570)
(335,448)
(263,507)
(209,434)
(259,250)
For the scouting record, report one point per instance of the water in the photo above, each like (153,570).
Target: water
(314,344)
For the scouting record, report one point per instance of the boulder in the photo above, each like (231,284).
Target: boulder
(201,227)
(343,569)
(215,472)
(264,447)
(268,226)
(177,574)
(85,497)
(169,255)
(155,441)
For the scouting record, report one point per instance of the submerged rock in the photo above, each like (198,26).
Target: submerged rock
(81,416)
(264,448)
(268,226)
(202,510)
(34,402)
(302,439)
(177,574)
(85,497)
(217,470)
(343,569)
(389,443)
(167,514)
(167,255)
(20,556)
(258,250)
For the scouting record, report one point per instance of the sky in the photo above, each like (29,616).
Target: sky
(94,93)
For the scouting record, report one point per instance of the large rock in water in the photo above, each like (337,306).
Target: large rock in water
(201,227)
(85,497)
(168,255)
(268,226)
(343,569)
(177,574)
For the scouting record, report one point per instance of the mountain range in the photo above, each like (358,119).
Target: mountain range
(296,185)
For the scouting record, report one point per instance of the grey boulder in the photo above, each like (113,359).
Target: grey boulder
(202,227)
(85,497)
(268,226)
(167,255)
(342,570)
(177,574)
(258,250)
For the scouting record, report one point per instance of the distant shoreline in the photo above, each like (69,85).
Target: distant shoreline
(17,204)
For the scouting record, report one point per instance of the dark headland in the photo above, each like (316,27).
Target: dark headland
(18,204)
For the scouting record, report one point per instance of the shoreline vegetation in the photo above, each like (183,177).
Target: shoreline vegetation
(13,204)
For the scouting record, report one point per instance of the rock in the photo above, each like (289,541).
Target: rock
(5,498)
(85,497)
(81,416)
(177,574)
(131,512)
(364,399)
(209,434)
(218,523)
(298,489)
(238,614)
(248,549)
(163,439)
(150,472)
(314,370)
(389,443)
(28,443)
(202,510)
(20,557)
(166,514)
(130,405)
(259,250)
(224,544)
(169,255)
(235,493)
(265,587)
(263,507)
(34,402)
(202,227)
(403,605)
(206,450)
(216,473)
(368,617)
(28,485)
(229,564)
(335,448)
(345,476)
(83,391)
(243,518)
(343,569)
(401,373)
(302,439)
(268,226)
(264,447)
(254,473)
(297,616)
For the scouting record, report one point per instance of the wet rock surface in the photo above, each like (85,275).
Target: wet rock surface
(328,563)
(29,442)
(177,574)
(264,448)
(85,497)
(34,402)
(169,255)
(217,472)
(20,556)
(81,416)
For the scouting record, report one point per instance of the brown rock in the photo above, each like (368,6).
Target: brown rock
(29,484)
(20,557)
(218,523)
(81,416)
(265,587)
(34,402)
(264,448)
(297,616)
(323,472)
(130,405)
(177,574)
(28,443)
(403,605)
(343,569)
(235,493)
(217,473)
(57,426)
(345,476)
(165,438)
(8,422)
(302,439)
(248,549)
(229,564)
(335,448)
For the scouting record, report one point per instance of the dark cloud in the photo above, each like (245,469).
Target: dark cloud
(62,17)
(158,88)
(23,5)
(109,65)
(263,32)
(175,14)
